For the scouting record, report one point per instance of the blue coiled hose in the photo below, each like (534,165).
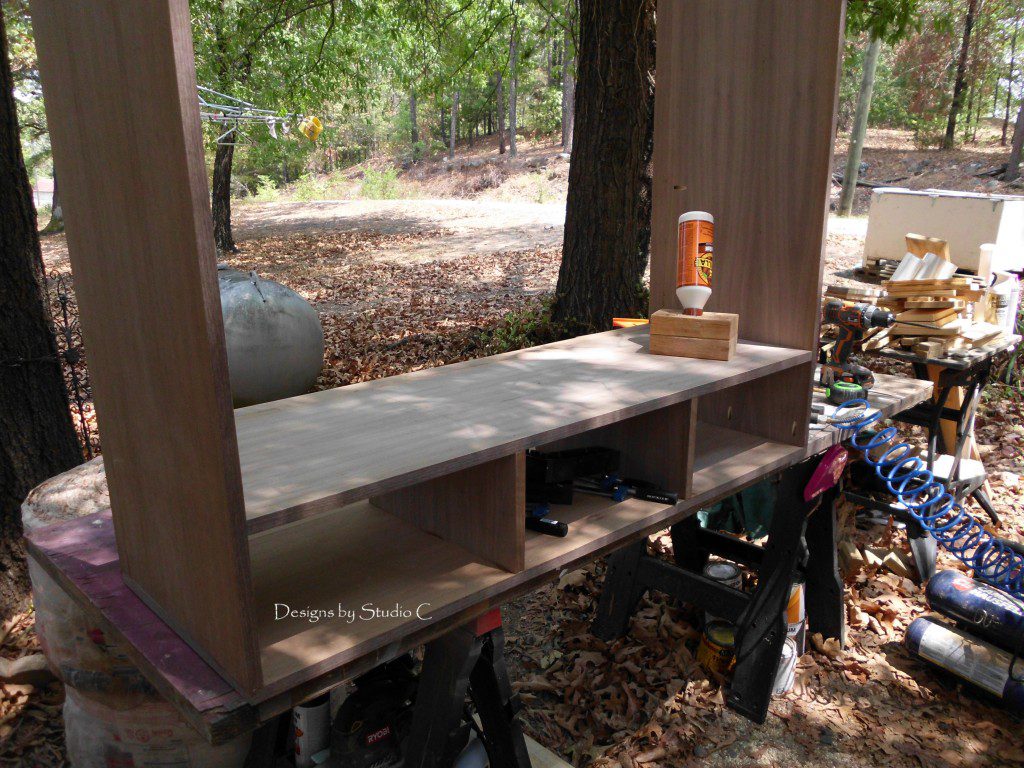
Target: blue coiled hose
(908,478)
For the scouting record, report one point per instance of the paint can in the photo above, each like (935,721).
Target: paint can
(785,675)
(725,573)
(717,650)
(312,726)
(796,617)
(979,663)
(694,261)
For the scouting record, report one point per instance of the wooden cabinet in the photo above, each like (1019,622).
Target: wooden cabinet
(410,490)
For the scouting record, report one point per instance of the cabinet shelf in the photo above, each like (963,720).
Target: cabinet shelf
(313,453)
(725,458)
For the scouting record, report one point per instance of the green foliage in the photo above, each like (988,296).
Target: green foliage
(380,185)
(266,189)
(311,187)
(524,328)
(889,20)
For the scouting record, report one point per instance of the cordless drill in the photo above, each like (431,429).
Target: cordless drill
(843,380)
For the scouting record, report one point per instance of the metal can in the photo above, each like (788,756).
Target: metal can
(975,661)
(717,649)
(785,675)
(985,611)
(796,617)
(725,573)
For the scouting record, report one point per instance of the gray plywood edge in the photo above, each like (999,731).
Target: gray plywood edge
(120,89)
(744,123)
(310,454)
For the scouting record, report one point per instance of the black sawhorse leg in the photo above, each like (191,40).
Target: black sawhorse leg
(469,660)
(761,627)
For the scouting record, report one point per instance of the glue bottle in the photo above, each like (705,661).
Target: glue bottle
(695,259)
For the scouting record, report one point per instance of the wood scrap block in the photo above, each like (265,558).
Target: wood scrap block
(919,245)
(851,558)
(874,556)
(898,563)
(710,325)
(879,341)
(931,329)
(711,336)
(910,341)
(935,348)
(940,316)
(929,302)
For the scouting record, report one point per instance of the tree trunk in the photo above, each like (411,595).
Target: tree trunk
(455,126)
(568,80)
(512,88)
(56,222)
(500,98)
(961,77)
(38,438)
(1013,164)
(412,119)
(1009,82)
(860,127)
(608,210)
(221,195)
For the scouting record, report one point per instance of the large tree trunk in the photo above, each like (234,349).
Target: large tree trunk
(56,222)
(500,98)
(1009,82)
(412,119)
(608,211)
(568,79)
(455,126)
(961,76)
(38,438)
(221,199)
(513,86)
(1013,164)
(860,127)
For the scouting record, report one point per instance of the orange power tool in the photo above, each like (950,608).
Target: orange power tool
(843,380)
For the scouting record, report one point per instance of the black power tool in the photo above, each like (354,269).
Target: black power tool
(843,380)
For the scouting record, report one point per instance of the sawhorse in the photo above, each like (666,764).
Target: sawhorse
(802,538)
(470,659)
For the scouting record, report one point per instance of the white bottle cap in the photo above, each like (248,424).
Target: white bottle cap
(696,216)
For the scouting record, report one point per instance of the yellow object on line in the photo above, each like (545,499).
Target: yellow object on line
(311,128)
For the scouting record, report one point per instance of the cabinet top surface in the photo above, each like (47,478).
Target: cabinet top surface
(306,454)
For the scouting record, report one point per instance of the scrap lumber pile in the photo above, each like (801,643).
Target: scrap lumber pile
(938,311)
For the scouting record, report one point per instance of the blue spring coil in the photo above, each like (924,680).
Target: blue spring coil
(908,478)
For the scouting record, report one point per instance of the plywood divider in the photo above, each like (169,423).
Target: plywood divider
(481,509)
(773,407)
(656,446)
(744,122)
(120,88)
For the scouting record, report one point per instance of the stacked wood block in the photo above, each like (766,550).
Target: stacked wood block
(711,336)
(855,294)
(933,317)
(880,268)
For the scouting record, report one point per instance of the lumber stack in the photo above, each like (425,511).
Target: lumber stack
(934,317)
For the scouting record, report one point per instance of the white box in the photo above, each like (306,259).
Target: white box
(965,220)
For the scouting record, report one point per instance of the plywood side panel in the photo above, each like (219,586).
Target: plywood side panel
(481,509)
(744,121)
(775,407)
(120,90)
(656,446)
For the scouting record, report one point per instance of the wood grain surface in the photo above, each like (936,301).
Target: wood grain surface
(316,452)
(480,508)
(744,122)
(120,89)
(362,554)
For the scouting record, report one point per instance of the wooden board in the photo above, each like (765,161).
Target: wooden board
(313,453)
(710,325)
(480,508)
(120,89)
(699,349)
(746,103)
(296,561)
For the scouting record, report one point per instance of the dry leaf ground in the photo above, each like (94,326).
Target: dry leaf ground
(400,287)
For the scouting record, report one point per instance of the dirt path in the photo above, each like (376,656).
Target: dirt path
(471,227)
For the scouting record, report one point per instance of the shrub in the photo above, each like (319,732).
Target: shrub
(266,189)
(309,187)
(380,185)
